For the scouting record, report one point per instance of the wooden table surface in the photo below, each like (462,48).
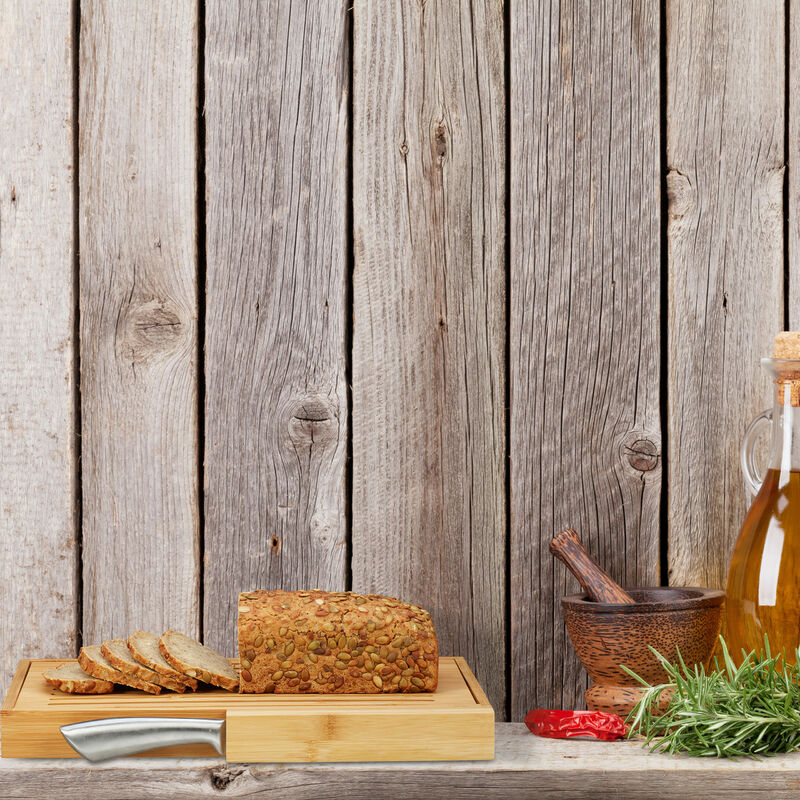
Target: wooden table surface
(525,766)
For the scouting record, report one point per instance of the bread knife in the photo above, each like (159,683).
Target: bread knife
(101,739)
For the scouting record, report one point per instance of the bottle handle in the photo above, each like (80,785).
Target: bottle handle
(753,476)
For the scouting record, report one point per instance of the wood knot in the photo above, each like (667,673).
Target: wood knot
(312,409)
(148,329)
(680,194)
(440,141)
(312,420)
(221,778)
(640,451)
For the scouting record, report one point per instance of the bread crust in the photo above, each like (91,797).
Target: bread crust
(197,660)
(341,642)
(70,678)
(92,661)
(118,654)
(144,647)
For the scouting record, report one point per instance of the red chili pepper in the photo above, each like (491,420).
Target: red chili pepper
(566,724)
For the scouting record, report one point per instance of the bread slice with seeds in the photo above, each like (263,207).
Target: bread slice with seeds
(93,661)
(144,647)
(118,654)
(197,660)
(72,679)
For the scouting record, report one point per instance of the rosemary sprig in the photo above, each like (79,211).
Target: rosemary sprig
(729,711)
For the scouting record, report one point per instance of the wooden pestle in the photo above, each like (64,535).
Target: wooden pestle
(597,583)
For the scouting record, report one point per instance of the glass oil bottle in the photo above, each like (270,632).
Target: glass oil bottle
(763,590)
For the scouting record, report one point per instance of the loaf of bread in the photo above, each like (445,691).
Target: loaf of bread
(321,642)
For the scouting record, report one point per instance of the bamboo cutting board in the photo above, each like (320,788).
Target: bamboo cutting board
(454,723)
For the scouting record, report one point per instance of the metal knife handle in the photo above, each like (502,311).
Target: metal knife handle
(100,739)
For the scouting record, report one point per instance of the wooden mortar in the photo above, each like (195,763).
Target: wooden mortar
(607,634)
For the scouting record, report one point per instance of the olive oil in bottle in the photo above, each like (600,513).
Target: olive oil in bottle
(763,591)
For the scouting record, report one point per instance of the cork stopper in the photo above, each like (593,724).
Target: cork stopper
(787,345)
(787,379)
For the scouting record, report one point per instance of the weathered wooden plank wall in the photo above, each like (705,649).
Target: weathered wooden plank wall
(38,442)
(792,124)
(429,318)
(229,291)
(138,312)
(277,81)
(725,155)
(584,327)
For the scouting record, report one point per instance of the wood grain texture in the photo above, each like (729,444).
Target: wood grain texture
(525,766)
(38,519)
(793,165)
(584,327)
(138,95)
(276,395)
(429,323)
(725,155)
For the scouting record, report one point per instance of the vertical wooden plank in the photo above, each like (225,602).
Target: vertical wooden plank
(429,318)
(138,96)
(725,153)
(38,550)
(793,158)
(277,77)
(585,427)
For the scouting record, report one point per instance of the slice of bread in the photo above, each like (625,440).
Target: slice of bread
(72,679)
(197,660)
(92,661)
(119,655)
(144,647)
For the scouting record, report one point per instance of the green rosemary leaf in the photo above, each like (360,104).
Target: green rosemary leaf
(633,675)
(728,711)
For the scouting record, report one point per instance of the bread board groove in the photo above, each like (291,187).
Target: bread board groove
(454,723)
